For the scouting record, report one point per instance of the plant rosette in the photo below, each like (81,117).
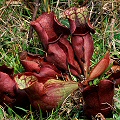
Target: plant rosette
(45,95)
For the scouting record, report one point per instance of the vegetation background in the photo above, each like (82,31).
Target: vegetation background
(15,17)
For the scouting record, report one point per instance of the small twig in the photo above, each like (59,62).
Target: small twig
(112,34)
(100,116)
(84,3)
(37,4)
(91,10)
(58,1)
(5,8)
(104,16)
(69,3)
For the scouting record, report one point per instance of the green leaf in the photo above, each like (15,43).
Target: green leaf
(22,109)
(65,22)
(1,113)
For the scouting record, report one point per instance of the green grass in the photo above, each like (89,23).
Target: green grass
(14,27)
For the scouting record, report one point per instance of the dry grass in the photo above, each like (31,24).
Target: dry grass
(15,17)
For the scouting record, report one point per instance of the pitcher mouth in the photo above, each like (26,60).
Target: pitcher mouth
(52,42)
(81,35)
(25,80)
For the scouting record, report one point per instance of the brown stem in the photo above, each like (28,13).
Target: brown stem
(84,3)
(37,4)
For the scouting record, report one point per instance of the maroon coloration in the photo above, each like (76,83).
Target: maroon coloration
(7,70)
(40,86)
(49,28)
(57,56)
(21,100)
(7,85)
(9,93)
(98,99)
(39,98)
(31,62)
(115,77)
(70,57)
(45,95)
(35,63)
(88,50)
(100,68)
(61,55)
(31,57)
(82,42)
(117,82)
(49,95)
(49,71)
(78,43)
(54,38)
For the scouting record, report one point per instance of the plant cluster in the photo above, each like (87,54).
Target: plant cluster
(48,81)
